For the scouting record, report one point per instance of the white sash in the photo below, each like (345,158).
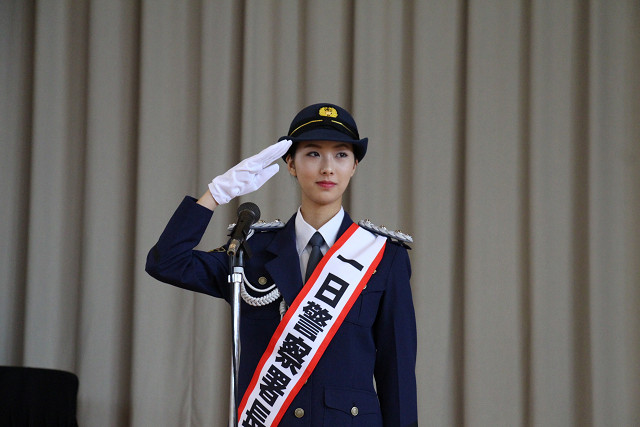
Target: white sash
(309,325)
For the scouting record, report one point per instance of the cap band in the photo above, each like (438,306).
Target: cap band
(339,126)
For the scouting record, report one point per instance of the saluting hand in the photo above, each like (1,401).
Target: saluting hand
(248,175)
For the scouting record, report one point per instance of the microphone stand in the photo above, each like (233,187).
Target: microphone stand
(236,276)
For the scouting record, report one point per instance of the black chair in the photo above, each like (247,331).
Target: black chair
(37,397)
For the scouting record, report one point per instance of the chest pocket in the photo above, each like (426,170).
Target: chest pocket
(365,309)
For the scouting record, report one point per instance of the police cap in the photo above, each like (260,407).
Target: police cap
(325,122)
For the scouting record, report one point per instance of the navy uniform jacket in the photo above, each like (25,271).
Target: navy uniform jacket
(378,336)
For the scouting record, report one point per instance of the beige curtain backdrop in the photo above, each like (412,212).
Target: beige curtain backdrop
(504,136)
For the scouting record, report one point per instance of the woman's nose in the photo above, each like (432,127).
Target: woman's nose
(327,166)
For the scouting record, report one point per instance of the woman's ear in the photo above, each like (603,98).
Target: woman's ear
(290,165)
(355,166)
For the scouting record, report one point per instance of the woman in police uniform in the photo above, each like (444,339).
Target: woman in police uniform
(366,375)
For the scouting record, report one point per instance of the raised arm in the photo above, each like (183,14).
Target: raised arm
(173,259)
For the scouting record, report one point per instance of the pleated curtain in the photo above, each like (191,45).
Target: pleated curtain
(504,137)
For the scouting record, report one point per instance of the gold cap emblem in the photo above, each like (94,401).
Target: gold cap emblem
(328,112)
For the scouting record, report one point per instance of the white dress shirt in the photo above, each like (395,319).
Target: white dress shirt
(304,231)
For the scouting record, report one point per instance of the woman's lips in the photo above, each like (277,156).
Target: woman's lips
(326,184)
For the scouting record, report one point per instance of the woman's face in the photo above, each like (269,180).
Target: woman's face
(323,169)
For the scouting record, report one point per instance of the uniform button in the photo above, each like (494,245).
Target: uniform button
(354,411)
(262,280)
(299,412)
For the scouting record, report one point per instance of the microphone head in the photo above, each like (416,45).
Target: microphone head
(251,208)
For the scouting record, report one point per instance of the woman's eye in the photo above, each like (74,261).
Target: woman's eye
(343,154)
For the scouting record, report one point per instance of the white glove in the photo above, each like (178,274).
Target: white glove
(248,175)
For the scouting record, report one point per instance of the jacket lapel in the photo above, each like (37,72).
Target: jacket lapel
(346,223)
(284,268)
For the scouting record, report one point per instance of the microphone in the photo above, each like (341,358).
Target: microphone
(248,214)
